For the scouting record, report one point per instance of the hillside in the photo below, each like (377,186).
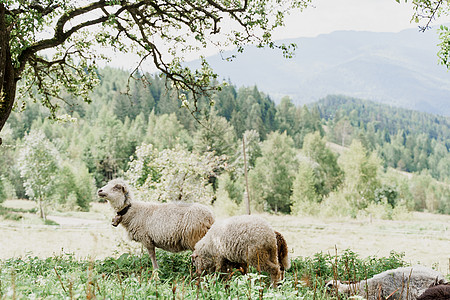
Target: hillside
(399,69)
(385,117)
(286,147)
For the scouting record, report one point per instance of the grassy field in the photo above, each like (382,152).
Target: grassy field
(424,238)
(59,261)
(130,277)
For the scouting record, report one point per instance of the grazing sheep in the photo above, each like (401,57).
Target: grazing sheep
(405,283)
(437,292)
(244,240)
(172,227)
(283,258)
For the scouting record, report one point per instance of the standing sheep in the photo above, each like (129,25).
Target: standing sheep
(244,240)
(405,283)
(172,227)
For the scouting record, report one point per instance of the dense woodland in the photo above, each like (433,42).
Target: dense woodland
(339,156)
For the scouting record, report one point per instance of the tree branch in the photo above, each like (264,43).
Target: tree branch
(221,8)
(60,36)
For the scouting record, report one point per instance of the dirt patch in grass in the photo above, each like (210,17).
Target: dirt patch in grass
(424,239)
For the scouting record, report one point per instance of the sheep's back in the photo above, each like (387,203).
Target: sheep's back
(194,224)
(406,282)
(239,237)
(173,227)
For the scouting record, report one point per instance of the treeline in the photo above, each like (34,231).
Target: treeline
(137,130)
(406,140)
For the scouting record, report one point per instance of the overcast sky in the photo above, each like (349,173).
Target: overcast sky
(325,16)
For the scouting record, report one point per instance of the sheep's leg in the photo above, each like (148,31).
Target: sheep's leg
(244,268)
(152,254)
(219,264)
(226,266)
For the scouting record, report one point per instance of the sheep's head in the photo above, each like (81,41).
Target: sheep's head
(116,192)
(202,263)
(334,286)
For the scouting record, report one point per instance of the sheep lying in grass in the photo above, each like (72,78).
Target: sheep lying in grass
(437,292)
(243,240)
(405,283)
(172,227)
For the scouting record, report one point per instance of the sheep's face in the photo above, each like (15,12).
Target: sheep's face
(335,285)
(202,263)
(330,285)
(115,193)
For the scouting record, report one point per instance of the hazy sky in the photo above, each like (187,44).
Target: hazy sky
(325,16)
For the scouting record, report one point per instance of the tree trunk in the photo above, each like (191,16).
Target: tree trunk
(246,177)
(7,72)
(41,209)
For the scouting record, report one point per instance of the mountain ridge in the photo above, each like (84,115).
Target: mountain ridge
(400,69)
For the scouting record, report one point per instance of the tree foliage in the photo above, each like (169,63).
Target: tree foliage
(74,187)
(38,163)
(165,132)
(324,163)
(98,141)
(361,174)
(215,134)
(304,194)
(427,11)
(297,121)
(54,45)
(271,179)
(173,174)
(406,140)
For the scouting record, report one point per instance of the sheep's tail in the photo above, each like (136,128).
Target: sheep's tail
(282,249)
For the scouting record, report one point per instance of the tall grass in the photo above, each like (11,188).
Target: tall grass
(131,277)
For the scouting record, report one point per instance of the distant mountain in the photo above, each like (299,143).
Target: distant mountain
(399,69)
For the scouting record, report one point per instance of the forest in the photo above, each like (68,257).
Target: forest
(339,156)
